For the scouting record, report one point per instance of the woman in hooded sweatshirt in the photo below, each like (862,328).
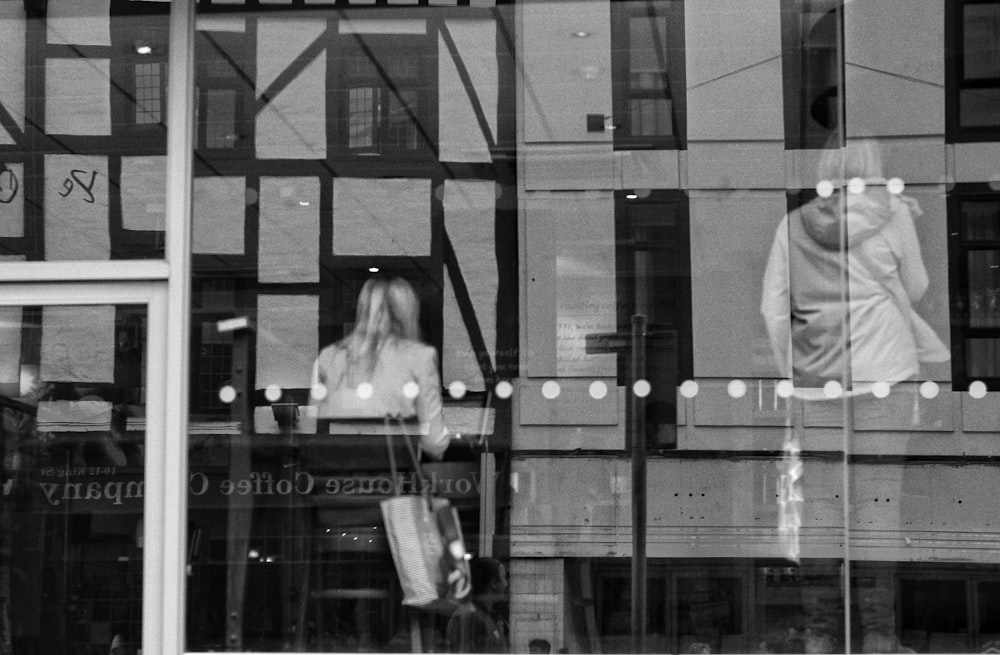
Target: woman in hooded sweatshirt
(806,303)
(382,368)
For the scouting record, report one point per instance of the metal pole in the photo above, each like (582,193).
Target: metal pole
(638,487)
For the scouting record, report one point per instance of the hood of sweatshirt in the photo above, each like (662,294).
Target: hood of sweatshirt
(864,215)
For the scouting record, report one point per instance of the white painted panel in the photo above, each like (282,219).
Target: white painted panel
(460,136)
(731,234)
(900,37)
(11,323)
(650,169)
(561,167)
(279,42)
(287,340)
(12,34)
(78,96)
(565,78)
(977,162)
(218,215)
(458,360)
(744,105)
(220,23)
(144,192)
(79,22)
(293,125)
(881,103)
(382,26)
(288,249)
(381,216)
(76,208)
(736,165)
(722,37)
(470,217)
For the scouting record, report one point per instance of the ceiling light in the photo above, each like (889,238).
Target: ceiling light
(373,269)
(143,48)
(580,34)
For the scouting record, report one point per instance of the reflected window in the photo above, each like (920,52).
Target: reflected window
(811,70)
(648,58)
(975,275)
(222,85)
(385,95)
(654,280)
(974,96)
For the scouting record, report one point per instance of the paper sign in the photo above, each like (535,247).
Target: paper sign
(287,340)
(293,124)
(78,96)
(10,344)
(461,137)
(79,22)
(78,344)
(144,193)
(289,230)
(76,208)
(381,217)
(12,200)
(219,208)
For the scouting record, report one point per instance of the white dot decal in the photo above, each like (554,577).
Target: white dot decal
(598,390)
(929,389)
(318,391)
(737,388)
(832,389)
(895,186)
(977,389)
(881,389)
(272,393)
(689,388)
(551,389)
(457,389)
(784,388)
(641,388)
(504,389)
(855,185)
(824,188)
(411,390)
(365,390)
(227,394)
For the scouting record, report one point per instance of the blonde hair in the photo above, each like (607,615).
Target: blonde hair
(388,309)
(857,158)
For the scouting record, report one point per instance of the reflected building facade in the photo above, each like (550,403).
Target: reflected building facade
(585,195)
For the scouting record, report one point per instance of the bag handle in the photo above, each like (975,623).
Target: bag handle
(424,488)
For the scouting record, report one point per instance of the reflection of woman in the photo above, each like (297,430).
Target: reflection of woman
(805,303)
(381,368)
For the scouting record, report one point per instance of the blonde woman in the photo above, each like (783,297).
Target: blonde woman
(382,368)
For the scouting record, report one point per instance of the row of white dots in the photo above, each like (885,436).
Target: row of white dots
(598,390)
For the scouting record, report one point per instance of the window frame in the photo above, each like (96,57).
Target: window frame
(959,248)
(674,85)
(378,47)
(955,82)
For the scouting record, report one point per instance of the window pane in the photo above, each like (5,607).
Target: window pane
(934,615)
(982,357)
(362,106)
(148,93)
(981,220)
(981,48)
(220,118)
(979,107)
(648,48)
(72,478)
(984,288)
(402,130)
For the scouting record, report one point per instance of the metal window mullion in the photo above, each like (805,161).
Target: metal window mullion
(166,498)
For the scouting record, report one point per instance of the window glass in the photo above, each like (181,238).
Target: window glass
(73,398)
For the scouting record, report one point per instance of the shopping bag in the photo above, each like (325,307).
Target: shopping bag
(426,542)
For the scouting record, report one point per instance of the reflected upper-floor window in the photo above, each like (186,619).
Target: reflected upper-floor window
(385,98)
(973,35)
(221,88)
(648,58)
(974,217)
(811,68)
